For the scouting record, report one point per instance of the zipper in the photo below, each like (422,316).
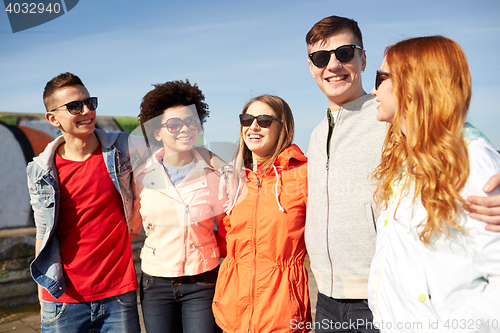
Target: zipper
(254,273)
(329,145)
(381,261)
(193,247)
(185,231)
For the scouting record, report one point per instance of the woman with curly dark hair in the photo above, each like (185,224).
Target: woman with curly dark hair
(176,200)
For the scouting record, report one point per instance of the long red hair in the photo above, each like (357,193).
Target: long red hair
(431,82)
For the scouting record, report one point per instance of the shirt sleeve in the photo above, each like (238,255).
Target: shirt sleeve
(136,223)
(484,162)
(40,223)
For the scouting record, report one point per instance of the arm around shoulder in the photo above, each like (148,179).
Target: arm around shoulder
(41,225)
(212,159)
(484,244)
(485,206)
(136,223)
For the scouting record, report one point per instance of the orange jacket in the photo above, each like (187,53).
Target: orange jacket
(262,283)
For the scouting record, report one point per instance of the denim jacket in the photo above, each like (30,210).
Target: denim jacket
(43,183)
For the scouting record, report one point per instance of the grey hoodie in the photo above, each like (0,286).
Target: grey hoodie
(340,224)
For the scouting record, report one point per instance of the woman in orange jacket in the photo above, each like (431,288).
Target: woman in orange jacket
(262,283)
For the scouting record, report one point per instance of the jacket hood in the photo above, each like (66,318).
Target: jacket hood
(283,162)
(291,152)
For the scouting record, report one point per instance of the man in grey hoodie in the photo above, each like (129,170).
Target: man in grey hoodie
(344,148)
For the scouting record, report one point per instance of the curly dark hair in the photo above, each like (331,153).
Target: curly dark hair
(171,94)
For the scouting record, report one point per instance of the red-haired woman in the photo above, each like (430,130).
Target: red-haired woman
(434,268)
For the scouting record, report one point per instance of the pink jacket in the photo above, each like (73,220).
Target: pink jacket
(178,221)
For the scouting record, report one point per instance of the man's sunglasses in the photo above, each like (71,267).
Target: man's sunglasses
(381,77)
(76,107)
(264,120)
(174,125)
(343,53)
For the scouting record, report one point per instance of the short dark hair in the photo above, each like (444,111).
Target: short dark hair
(328,26)
(62,80)
(171,94)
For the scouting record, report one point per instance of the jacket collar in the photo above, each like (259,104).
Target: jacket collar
(357,104)
(106,139)
(292,152)
(281,163)
(153,176)
(46,159)
(154,162)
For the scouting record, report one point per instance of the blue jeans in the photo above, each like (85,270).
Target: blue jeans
(115,314)
(343,315)
(176,305)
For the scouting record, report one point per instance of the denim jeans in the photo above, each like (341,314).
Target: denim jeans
(176,305)
(343,315)
(117,314)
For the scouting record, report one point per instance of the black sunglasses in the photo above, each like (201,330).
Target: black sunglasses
(174,125)
(76,107)
(264,120)
(343,53)
(380,77)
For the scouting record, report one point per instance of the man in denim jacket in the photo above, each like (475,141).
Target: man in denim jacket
(81,194)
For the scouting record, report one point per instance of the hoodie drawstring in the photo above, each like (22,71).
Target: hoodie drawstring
(277,197)
(235,197)
(276,187)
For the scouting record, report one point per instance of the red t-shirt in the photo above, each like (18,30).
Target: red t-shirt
(95,247)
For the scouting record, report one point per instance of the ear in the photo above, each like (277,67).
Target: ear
(157,135)
(311,66)
(51,118)
(363,60)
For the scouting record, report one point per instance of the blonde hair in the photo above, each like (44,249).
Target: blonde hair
(431,82)
(243,155)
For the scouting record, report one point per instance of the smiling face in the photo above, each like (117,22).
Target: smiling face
(339,81)
(261,141)
(80,125)
(181,142)
(387,102)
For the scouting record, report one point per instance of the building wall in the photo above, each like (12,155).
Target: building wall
(17,250)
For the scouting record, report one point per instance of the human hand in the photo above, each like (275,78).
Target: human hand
(227,205)
(487,209)
(228,186)
(41,302)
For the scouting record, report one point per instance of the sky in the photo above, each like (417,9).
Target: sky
(234,50)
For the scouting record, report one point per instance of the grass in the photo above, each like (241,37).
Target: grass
(127,124)
(9,120)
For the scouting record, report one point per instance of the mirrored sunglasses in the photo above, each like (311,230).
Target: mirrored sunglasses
(76,107)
